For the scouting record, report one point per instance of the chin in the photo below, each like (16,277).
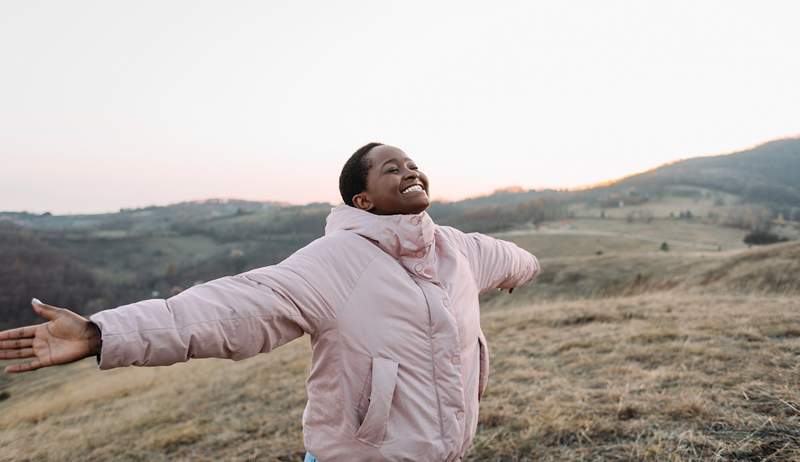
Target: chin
(419,208)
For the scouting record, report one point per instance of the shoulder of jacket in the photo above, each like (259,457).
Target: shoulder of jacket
(339,245)
(450,231)
(456,236)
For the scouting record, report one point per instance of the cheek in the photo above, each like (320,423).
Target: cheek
(385,187)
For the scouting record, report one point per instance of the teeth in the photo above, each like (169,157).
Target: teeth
(416,187)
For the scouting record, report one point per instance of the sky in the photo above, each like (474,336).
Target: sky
(111,104)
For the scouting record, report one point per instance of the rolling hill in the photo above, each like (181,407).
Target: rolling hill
(768,174)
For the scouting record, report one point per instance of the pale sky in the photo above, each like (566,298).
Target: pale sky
(109,104)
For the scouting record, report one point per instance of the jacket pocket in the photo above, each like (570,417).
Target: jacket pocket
(383,382)
(483,375)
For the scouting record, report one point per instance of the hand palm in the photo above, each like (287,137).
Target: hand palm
(60,341)
(65,338)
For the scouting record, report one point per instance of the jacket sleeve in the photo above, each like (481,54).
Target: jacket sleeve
(233,317)
(497,263)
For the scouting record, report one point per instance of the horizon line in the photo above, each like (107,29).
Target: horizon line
(509,188)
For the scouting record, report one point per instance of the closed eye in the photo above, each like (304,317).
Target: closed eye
(395,169)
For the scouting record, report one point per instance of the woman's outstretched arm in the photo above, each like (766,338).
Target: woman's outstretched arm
(496,263)
(232,317)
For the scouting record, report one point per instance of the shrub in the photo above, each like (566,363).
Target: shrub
(762,237)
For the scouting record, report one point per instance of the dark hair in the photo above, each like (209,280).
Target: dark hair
(353,178)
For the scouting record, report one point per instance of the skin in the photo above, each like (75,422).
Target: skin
(391,171)
(68,337)
(65,337)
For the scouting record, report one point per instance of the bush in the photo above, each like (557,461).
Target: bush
(762,237)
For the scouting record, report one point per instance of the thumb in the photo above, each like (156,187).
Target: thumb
(46,311)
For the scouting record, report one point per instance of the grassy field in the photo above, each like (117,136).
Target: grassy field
(587,236)
(629,355)
(700,206)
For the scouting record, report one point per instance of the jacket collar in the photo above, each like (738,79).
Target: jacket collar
(407,238)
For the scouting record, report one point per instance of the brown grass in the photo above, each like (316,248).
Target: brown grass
(644,378)
(649,377)
(768,271)
(692,372)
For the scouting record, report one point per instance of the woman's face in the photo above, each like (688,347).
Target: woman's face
(390,175)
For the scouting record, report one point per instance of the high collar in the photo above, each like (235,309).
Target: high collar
(407,238)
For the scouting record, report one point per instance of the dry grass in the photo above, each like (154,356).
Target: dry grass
(585,236)
(704,369)
(766,271)
(201,410)
(651,377)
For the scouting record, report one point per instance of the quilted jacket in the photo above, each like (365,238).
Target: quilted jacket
(390,302)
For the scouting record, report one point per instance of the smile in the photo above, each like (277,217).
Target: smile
(411,189)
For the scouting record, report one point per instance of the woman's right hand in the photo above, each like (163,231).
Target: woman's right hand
(66,337)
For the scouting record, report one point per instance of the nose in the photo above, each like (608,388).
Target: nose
(411,174)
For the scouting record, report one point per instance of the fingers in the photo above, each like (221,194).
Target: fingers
(14,344)
(24,367)
(46,311)
(17,354)
(19,332)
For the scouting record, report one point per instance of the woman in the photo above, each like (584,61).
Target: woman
(390,300)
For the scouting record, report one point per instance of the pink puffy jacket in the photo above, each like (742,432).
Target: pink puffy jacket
(399,360)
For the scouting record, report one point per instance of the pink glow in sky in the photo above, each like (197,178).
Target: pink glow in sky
(106,105)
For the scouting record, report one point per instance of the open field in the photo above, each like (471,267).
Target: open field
(705,201)
(650,377)
(587,236)
(700,370)
(764,271)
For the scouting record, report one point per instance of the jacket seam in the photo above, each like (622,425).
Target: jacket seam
(339,346)
(316,291)
(360,276)
(433,363)
(301,314)
(186,326)
(466,240)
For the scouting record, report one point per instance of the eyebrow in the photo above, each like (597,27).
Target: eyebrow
(394,159)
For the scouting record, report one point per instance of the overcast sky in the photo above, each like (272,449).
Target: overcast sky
(109,104)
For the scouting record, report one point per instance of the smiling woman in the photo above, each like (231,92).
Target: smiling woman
(389,299)
(381,179)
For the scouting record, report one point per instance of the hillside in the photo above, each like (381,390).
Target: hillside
(91,262)
(772,270)
(693,366)
(31,266)
(768,174)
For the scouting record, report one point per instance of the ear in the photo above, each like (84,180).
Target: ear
(362,202)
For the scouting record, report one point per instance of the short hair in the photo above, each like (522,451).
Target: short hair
(353,178)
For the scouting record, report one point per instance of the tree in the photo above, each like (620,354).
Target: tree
(762,237)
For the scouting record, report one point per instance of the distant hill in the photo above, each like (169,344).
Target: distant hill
(767,174)
(88,262)
(30,267)
(141,220)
